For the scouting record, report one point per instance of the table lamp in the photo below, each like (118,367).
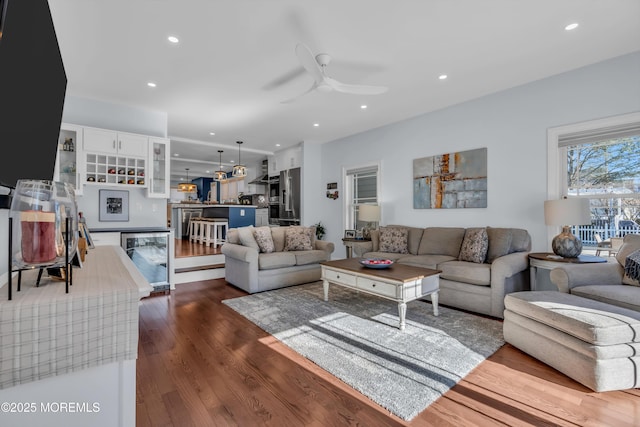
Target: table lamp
(369,214)
(565,213)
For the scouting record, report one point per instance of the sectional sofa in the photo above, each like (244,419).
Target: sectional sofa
(479,265)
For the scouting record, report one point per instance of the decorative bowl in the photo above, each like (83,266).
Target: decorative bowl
(378,263)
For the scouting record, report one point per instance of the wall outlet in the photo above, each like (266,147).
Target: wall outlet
(241,212)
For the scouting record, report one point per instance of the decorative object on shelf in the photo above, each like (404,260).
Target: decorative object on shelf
(349,234)
(114,205)
(43,228)
(567,212)
(239,170)
(220,175)
(187,187)
(436,180)
(369,214)
(39,210)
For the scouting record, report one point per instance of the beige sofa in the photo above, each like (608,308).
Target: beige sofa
(480,285)
(254,270)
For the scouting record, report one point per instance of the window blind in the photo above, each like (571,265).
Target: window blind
(601,134)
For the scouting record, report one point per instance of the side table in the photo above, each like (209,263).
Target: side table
(549,261)
(351,243)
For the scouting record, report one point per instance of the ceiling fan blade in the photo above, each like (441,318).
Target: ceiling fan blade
(313,87)
(355,89)
(308,61)
(284,79)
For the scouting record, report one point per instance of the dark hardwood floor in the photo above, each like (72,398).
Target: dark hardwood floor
(202,364)
(185,248)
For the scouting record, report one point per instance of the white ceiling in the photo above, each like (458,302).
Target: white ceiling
(225,75)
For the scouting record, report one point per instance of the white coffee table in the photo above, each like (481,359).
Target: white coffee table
(399,283)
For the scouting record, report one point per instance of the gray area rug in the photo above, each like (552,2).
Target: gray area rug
(355,337)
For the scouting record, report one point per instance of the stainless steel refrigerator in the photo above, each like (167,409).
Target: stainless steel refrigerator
(290,197)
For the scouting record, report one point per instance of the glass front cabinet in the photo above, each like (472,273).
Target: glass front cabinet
(69,157)
(158,174)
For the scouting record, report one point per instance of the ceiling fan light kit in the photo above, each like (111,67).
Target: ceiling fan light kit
(220,175)
(316,66)
(239,170)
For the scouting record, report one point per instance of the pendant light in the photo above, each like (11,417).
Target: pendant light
(239,170)
(220,175)
(187,187)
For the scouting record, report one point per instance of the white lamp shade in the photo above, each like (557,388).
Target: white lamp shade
(572,211)
(369,213)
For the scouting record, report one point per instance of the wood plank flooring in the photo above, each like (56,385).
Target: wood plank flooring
(202,364)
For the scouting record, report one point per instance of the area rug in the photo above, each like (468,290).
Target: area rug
(355,337)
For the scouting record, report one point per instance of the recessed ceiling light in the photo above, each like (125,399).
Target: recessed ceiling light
(364,107)
(232,161)
(176,155)
(151,84)
(173,39)
(571,26)
(316,124)
(442,76)
(212,133)
(277,145)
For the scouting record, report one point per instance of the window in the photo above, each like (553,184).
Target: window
(361,187)
(600,161)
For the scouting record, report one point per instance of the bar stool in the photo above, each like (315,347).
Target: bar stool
(195,229)
(213,231)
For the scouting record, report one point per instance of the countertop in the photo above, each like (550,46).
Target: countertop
(131,230)
(46,332)
(206,205)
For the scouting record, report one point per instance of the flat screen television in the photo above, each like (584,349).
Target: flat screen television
(32,90)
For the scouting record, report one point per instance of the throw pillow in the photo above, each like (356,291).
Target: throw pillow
(264,239)
(394,240)
(246,237)
(297,239)
(632,269)
(474,245)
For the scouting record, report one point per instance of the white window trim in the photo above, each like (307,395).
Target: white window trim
(347,197)
(555,185)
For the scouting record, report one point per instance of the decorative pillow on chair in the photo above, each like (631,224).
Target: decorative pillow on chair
(474,245)
(630,246)
(264,239)
(632,269)
(297,239)
(394,240)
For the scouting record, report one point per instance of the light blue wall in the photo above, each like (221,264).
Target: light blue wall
(512,124)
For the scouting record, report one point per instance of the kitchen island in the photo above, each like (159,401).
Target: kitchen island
(237,215)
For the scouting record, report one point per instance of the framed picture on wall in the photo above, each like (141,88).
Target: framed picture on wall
(114,205)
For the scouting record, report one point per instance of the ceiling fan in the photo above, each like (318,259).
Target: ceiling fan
(316,66)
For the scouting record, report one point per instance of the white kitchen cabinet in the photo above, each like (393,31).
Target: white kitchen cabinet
(69,166)
(103,141)
(262,217)
(159,170)
(288,158)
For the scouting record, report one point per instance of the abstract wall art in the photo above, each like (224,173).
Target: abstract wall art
(451,180)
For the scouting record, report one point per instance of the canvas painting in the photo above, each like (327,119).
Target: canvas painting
(451,180)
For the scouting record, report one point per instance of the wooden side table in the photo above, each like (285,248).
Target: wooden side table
(351,243)
(549,261)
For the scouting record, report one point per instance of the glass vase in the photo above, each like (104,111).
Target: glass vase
(44,224)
